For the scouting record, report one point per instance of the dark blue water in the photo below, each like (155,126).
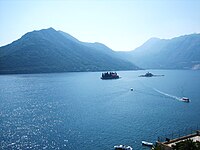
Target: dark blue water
(79,111)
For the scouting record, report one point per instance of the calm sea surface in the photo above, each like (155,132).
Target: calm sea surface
(79,111)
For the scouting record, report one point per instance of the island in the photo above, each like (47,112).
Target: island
(110,75)
(148,74)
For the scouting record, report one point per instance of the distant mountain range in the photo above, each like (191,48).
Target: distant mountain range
(177,53)
(49,50)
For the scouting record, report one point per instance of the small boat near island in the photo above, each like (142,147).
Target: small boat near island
(109,75)
(148,74)
(122,147)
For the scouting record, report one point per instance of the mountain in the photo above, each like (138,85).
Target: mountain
(177,53)
(97,46)
(49,50)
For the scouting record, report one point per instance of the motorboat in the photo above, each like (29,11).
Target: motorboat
(123,147)
(185,99)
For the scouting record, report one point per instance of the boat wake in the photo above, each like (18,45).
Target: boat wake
(168,95)
(161,93)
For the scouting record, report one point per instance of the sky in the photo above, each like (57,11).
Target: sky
(122,25)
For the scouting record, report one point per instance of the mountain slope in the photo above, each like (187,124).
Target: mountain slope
(178,53)
(49,50)
(97,46)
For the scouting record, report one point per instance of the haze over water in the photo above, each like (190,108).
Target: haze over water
(80,111)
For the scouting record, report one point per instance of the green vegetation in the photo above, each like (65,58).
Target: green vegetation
(183,145)
(187,145)
(157,147)
(49,50)
(177,53)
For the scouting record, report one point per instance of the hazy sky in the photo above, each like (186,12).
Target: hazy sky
(120,24)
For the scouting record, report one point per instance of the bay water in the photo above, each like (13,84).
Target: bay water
(79,111)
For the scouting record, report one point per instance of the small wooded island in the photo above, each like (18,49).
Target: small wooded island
(110,75)
(148,74)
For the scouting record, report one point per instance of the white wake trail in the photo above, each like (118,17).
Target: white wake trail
(168,95)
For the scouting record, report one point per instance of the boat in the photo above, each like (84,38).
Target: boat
(147,143)
(123,147)
(109,75)
(185,99)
